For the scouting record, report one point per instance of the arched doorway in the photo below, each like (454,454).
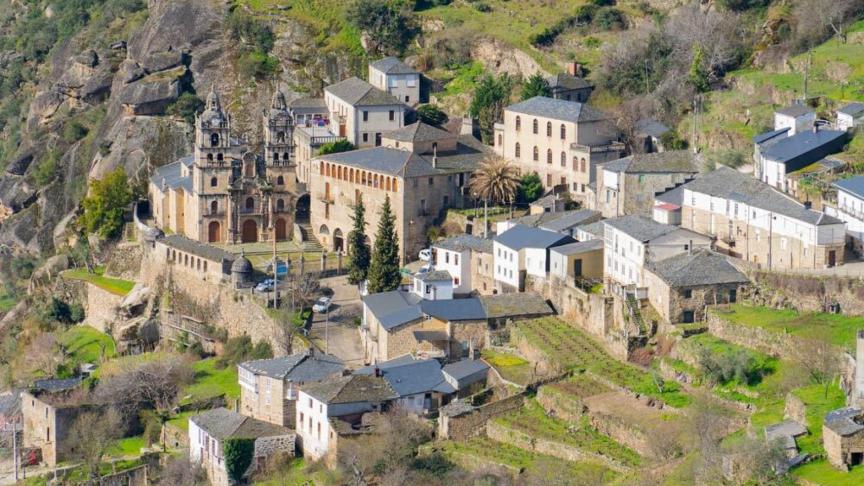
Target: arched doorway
(250,231)
(301,215)
(281,230)
(214,233)
(338,240)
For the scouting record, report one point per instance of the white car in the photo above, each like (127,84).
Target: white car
(321,305)
(426,254)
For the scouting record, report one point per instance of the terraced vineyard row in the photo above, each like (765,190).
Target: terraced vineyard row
(482,450)
(532,420)
(573,350)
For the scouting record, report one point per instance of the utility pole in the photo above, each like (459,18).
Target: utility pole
(770,240)
(15,447)
(807,72)
(275,261)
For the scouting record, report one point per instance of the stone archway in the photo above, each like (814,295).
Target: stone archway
(301,211)
(214,232)
(281,230)
(250,231)
(338,240)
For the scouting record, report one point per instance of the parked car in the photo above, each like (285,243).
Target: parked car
(321,305)
(426,254)
(265,285)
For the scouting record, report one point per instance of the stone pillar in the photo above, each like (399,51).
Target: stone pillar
(323,262)
(339,263)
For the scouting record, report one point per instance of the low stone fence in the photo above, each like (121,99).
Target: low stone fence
(472,421)
(773,343)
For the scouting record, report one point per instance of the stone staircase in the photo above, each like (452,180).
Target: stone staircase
(309,242)
(635,313)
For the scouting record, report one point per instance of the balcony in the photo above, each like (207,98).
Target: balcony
(848,210)
(598,149)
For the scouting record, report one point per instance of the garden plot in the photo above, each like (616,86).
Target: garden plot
(572,350)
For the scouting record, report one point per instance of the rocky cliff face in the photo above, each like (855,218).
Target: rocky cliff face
(122,87)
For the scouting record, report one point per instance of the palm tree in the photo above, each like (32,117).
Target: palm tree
(495,180)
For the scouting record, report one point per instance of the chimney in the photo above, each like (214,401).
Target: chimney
(815,127)
(808,204)
(467,126)
(574,69)
(435,155)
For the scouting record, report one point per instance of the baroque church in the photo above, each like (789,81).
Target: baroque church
(224,192)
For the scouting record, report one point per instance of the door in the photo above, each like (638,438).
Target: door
(832,258)
(250,231)
(281,233)
(577,268)
(213,232)
(342,130)
(687,317)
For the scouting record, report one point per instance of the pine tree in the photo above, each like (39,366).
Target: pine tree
(536,85)
(358,248)
(384,274)
(698,75)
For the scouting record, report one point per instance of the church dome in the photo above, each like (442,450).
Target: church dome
(241,265)
(213,112)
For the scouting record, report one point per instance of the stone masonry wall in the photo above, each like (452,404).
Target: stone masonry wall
(474,422)
(807,293)
(101,307)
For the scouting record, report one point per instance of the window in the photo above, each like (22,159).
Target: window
(688,294)
(518,123)
(446,257)
(214,207)
(582,164)
(536,126)
(549,156)
(366,115)
(500,139)
(549,179)
(431,181)
(456,281)
(548,129)
(455,259)
(407,99)
(563,132)
(516,151)
(536,154)
(563,159)
(365,137)
(214,182)
(687,317)
(280,180)
(250,203)
(392,115)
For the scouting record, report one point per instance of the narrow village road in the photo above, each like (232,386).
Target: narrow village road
(338,333)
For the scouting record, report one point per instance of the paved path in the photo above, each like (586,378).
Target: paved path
(339,327)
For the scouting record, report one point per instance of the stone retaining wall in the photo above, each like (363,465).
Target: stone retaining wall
(101,308)
(565,407)
(474,422)
(807,293)
(773,343)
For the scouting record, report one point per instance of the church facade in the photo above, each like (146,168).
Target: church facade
(224,192)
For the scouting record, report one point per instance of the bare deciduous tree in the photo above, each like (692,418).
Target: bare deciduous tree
(91,434)
(178,470)
(154,384)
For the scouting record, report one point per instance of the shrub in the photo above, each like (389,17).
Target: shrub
(186,107)
(432,115)
(602,3)
(609,18)
(530,188)
(672,141)
(740,5)
(249,30)
(591,42)
(238,456)
(45,171)
(257,64)
(74,131)
(335,147)
(239,349)
(105,206)
(482,7)
(389,27)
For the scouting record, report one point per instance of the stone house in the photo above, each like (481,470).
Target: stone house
(795,152)
(210,430)
(648,133)
(206,262)
(850,116)
(420,383)
(843,437)
(590,231)
(570,87)
(551,203)
(48,414)
(561,141)
(575,262)
(223,192)
(564,222)
(467,376)
(269,387)
(394,77)
(751,220)
(362,113)
(326,408)
(849,208)
(681,287)
(797,118)
(629,185)
(308,111)
(423,170)
(463,257)
(521,251)
(631,242)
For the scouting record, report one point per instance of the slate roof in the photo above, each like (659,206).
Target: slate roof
(853,185)
(434,276)
(544,218)
(418,132)
(203,250)
(10,403)
(596,228)
(674,161)
(465,368)
(385,160)
(357,92)
(567,81)
(579,247)
(307,104)
(730,184)
(514,305)
(801,144)
(466,158)
(854,109)
(392,65)
(170,173)
(640,227)
(650,127)
(52,385)
(673,196)
(547,201)
(842,421)
(301,367)
(794,110)
(394,308)
(408,376)
(570,111)
(454,310)
(763,137)
(463,242)
(520,236)
(351,389)
(697,268)
(221,423)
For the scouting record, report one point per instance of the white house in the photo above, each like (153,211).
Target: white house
(797,118)
(456,255)
(850,208)
(850,116)
(420,383)
(433,285)
(209,430)
(345,398)
(396,78)
(795,152)
(522,251)
(361,112)
(632,241)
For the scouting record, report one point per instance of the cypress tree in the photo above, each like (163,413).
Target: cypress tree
(358,248)
(384,274)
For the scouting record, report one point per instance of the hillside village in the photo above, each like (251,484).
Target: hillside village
(377,281)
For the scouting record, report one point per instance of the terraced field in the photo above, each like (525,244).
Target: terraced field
(533,420)
(574,350)
(481,453)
